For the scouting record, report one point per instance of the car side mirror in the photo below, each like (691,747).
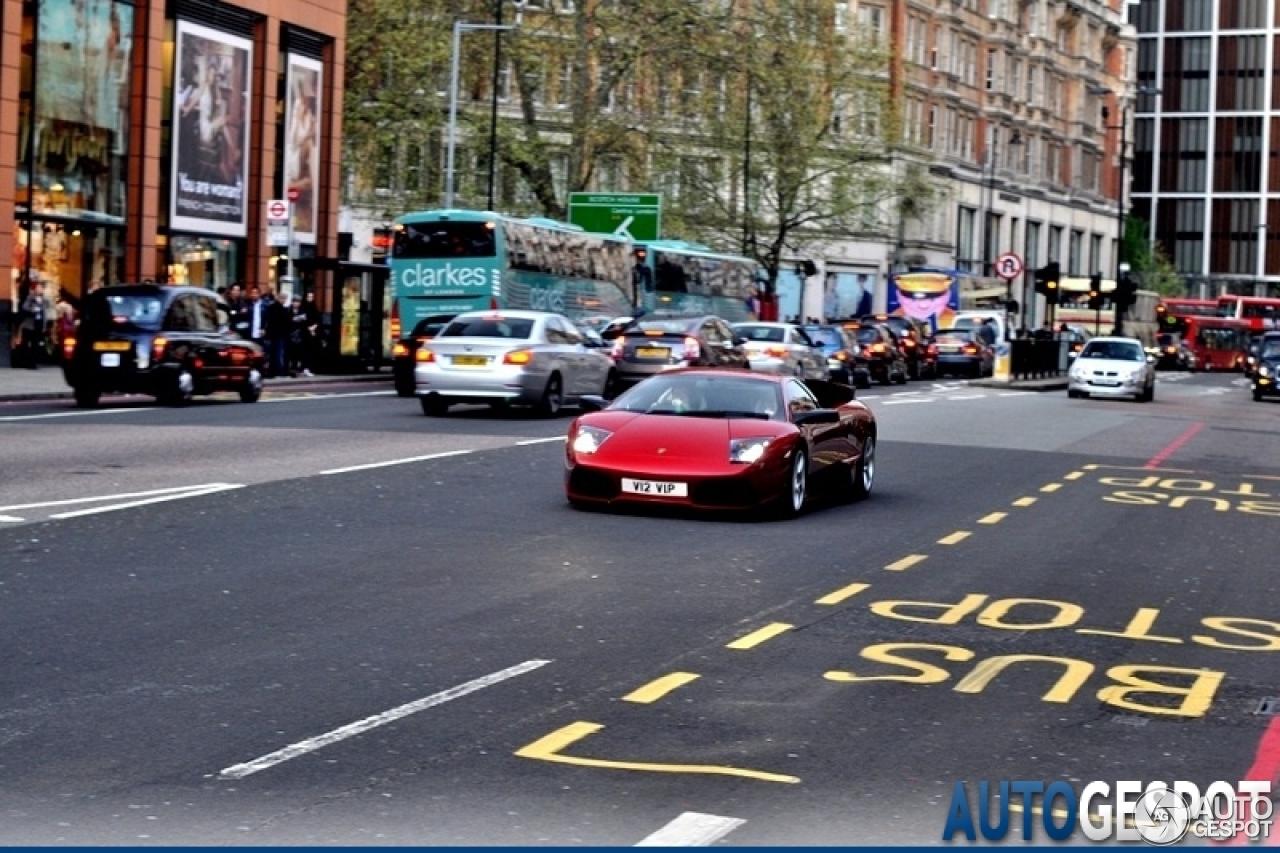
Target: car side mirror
(1151,359)
(816,416)
(739,340)
(592,403)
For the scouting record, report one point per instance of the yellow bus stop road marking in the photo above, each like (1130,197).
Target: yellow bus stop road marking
(758,636)
(993,518)
(659,687)
(953,538)
(841,594)
(1052,487)
(1025,501)
(549,749)
(906,562)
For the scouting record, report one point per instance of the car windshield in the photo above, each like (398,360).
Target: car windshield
(489,326)
(430,327)
(761,333)
(824,336)
(703,396)
(964,333)
(666,327)
(867,335)
(1113,350)
(1271,348)
(123,310)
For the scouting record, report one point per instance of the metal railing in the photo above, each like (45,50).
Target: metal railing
(1037,359)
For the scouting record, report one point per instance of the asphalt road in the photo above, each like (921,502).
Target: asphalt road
(320,634)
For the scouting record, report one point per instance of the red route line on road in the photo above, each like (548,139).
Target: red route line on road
(1173,446)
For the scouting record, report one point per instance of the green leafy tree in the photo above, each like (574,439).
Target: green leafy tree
(1148,261)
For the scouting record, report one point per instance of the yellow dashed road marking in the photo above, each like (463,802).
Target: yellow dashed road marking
(759,635)
(906,562)
(841,594)
(953,538)
(1052,487)
(659,687)
(993,518)
(1025,501)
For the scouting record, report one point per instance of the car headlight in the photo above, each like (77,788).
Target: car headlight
(747,451)
(1263,370)
(589,439)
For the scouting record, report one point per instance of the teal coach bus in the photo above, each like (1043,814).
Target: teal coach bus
(450,261)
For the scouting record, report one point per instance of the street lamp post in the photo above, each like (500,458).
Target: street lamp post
(988,205)
(493,100)
(459,28)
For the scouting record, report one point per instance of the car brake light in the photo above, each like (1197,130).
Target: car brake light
(691,349)
(776,352)
(157,348)
(519,356)
(909,344)
(68,347)
(879,348)
(932,350)
(424,356)
(395,321)
(842,356)
(618,343)
(399,350)
(971,350)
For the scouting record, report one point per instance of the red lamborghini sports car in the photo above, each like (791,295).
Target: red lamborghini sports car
(721,439)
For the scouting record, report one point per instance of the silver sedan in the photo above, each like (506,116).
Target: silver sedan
(530,358)
(782,348)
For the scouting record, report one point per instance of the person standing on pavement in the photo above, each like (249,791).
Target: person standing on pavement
(33,325)
(255,317)
(237,310)
(306,326)
(279,328)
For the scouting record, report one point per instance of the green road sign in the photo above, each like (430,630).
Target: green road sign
(634,215)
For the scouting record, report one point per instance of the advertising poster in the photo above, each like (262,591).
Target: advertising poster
(210,132)
(302,143)
(930,297)
(81,123)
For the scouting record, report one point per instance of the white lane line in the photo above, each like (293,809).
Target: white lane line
(905,393)
(239,771)
(390,462)
(693,829)
(1012,393)
(211,490)
(310,395)
(118,497)
(86,413)
(908,400)
(529,441)
(967,397)
(10,518)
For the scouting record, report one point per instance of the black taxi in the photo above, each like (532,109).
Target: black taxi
(170,342)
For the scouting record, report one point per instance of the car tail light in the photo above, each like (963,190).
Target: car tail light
(909,344)
(395,320)
(424,356)
(618,344)
(691,349)
(970,349)
(68,347)
(842,356)
(776,352)
(879,348)
(519,356)
(158,347)
(493,303)
(932,350)
(399,350)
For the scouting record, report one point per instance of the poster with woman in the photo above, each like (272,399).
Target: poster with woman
(211,131)
(302,143)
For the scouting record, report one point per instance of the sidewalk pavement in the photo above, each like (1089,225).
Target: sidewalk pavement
(46,383)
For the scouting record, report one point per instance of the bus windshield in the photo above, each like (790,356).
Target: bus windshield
(439,240)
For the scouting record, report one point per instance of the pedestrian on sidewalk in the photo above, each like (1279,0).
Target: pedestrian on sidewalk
(306,328)
(33,325)
(279,330)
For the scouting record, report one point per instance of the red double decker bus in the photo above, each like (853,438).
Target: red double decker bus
(1261,313)
(1215,343)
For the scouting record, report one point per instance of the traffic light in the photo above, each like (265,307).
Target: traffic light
(1047,282)
(1126,291)
(1095,292)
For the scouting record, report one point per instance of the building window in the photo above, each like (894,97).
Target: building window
(1186,74)
(841,23)
(1238,154)
(1234,240)
(1095,252)
(1242,63)
(1242,15)
(1183,166)
(1073,252)
(1055,243)
(993,61)
(871,20)
(1189,16)
(965,246)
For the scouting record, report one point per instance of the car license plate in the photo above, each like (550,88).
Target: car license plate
(470,360)
(656,488)
(1106,383)
(948,348)
(110,359)
(652,352)
(112,346)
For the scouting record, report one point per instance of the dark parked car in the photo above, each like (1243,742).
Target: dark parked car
(655,343)
(884,358)
(1263,381)
(168,342)
(405,349)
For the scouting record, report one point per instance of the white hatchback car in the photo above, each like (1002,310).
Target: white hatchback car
(1113,367)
